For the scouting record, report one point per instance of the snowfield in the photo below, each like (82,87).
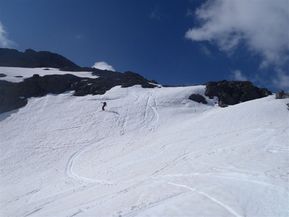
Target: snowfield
(153,153)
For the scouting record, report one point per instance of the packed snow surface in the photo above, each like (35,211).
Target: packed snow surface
(152,153)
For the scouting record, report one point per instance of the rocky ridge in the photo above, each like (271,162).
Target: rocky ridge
(16,95)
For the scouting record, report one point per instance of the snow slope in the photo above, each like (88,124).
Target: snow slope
(152,153)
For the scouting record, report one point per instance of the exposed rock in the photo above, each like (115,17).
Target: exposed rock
(198,98)
(234,92)
(15,95)
(2,75)
(108,80)
(281,95)
(32,59)
(40,86)
(9,97)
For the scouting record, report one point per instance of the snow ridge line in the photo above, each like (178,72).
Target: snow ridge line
(220,203)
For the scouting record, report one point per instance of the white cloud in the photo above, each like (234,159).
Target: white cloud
(103,66)
(263,25)
(238,76)
(4,41)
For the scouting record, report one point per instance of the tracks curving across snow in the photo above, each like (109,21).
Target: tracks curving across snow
(82,179)
(213,199)
(152,105)
(229,176)
(152,152)
(151,119)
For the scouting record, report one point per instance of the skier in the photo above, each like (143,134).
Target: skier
(103,105)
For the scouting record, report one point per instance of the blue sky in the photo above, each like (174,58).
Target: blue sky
(171,41)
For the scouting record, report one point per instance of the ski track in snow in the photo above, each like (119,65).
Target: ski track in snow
(150,205)
(146,120)
(148,106)
(71,174)
(33,212)
(76,155)
(220,203)
(275,147)
(238,177)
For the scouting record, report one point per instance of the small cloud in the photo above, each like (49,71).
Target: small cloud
(238,76)
(103,66)
(4,41)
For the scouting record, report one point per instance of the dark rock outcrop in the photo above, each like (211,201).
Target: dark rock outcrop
(15,95)
(198,98)
(33,59)
(2,75)
(234,92)
(9,97)
(108,80)
(281,95)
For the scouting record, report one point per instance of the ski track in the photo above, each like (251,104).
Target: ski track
(275,147)
(76,213)
(33,212)
(156,114)
(152,106)
(81,179)
(224,176)
(71,161)
(150,205)
(159,179)
(76,155)
(213,199)
(149,121)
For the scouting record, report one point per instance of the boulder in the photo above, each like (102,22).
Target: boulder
(198,98)
(281,95)
(9,97)
(234,92)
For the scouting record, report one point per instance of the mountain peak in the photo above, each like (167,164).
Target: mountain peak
(33,59)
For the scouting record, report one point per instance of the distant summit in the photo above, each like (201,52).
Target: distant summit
(33,59)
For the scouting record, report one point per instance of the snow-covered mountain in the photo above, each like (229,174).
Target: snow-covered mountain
(152,152)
